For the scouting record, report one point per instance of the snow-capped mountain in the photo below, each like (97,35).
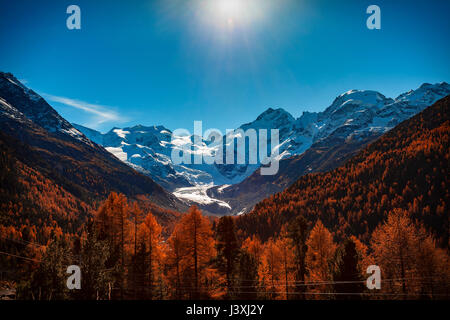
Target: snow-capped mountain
(355,114)
(51,146)
(149,149)
(34,108)
(354,119)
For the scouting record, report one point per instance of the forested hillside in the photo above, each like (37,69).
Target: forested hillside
(407,169)
(387,206)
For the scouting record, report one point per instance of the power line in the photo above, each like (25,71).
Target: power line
(21,257)
(24,242)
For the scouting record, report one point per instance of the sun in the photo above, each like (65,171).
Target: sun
(230,10)
(228,14)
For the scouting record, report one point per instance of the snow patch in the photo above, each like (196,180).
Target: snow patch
(221,188)
(198,194)
(118,153)
(121,133)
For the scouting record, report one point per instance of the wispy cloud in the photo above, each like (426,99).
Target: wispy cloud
(102,113)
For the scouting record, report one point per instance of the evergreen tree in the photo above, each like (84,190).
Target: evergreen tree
(94,273)
(227,250)
(48,282)
(247,277)
(347,274)
(298,233)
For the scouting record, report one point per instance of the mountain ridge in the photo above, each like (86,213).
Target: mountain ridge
(312,142)
(353,119)
(404,170)
(65,155)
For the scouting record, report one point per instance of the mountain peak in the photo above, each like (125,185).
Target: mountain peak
(425,85)
(9,82)
(154,128)
(363,95)
(6,74)
(34,108)
(356,97)
(272,114)
(425,95)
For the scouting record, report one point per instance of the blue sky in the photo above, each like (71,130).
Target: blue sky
(171,62)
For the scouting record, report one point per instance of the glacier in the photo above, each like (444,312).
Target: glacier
(352,114)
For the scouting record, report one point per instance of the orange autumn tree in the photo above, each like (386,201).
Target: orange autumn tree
(113,227)
(112,224)
(411,264)
(276,268)
(191,251)
(136,216)
(254,247)
(270,269)
(175,256)
(394,250)
(249,266)
(150,255)
(433,264)
(319,257)
(287,266)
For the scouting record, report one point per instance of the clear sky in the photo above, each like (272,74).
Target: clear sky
(171,62)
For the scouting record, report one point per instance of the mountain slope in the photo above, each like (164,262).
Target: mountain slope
(31,202)
(63,154)
(143,148)
(322,156)
(406,169)
(21,103)
(313,142)
(353,120)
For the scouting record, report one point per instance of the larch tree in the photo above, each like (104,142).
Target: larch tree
(113,226)
(136,215)
(95,275)
(254,247)
(175,256)
(195,250)
(47,282)
(283,245)
(394,246)
(271,269)
(411,264)
(319,257)
(149,237)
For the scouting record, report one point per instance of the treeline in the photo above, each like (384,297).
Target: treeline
(35,210)
(388,206)
(123,255)
(407,168)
